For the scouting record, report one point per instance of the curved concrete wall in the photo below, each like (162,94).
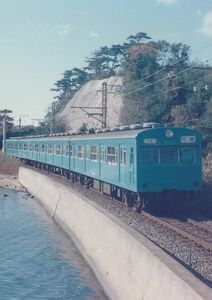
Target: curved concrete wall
(127,265)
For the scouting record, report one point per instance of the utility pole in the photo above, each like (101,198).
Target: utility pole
(107,89)
(19,123)
(104,104)
(101,116)
(4,121)
(52,123)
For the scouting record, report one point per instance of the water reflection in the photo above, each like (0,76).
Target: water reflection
(38,261)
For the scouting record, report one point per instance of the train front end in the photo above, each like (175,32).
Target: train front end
(169,159)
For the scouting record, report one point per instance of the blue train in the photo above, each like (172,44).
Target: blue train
(134,164)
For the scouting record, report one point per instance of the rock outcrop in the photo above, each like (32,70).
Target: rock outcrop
(90,96)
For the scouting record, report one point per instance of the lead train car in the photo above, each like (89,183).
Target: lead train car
(131,163)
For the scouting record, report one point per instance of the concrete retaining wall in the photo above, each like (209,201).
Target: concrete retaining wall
(127,265)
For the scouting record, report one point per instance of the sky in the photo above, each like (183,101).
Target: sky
(40,39)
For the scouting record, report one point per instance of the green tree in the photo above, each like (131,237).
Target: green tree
(105,62)
(138,37)
(68,85)
(151,78)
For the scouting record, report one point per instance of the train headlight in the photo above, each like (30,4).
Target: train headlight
(150,141)
(188,139)
(169,133)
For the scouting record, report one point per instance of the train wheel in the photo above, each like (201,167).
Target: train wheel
(127,198)
(139,203)
(81,179)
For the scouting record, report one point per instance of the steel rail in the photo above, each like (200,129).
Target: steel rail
(180,231)
(201,226)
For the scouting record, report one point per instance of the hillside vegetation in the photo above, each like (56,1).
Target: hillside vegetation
(160,83)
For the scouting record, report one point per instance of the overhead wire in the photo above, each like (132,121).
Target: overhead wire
(171,65)
(177,87)
(163,79)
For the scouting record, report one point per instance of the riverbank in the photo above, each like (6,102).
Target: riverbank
(11,182)
(9,167)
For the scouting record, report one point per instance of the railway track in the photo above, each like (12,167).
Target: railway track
(201,234)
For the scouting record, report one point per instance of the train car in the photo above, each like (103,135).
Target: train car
(129,164)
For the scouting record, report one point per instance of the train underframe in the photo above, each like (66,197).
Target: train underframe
(166,200)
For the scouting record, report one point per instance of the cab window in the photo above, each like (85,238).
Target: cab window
(187,154)
(169,154)
(149,155)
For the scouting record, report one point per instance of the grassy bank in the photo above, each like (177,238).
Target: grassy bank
(8,165)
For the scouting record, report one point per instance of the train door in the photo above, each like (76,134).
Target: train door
(99,158)
(122,164)
(102,159)
(74,147)
(84,157)
(62,154)
(36,152)
(70,156)
(132,165)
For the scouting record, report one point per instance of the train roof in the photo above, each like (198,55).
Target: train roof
(120,134)
(116,134)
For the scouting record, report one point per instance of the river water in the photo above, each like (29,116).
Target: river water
(37,260)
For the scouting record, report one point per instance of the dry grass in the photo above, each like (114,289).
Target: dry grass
(9,165)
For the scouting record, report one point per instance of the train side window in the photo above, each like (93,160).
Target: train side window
(80,152)
(66,150)
(103,153)
(149,155)
(93,153)
(111,155)
(123,156)
(58,150)
(187,154)
(30,147)
(71,151)
(25,146)
(169,154)
(117,155)
(74,150)
(42,148)
(131,156)
(49,149)
(62,151)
